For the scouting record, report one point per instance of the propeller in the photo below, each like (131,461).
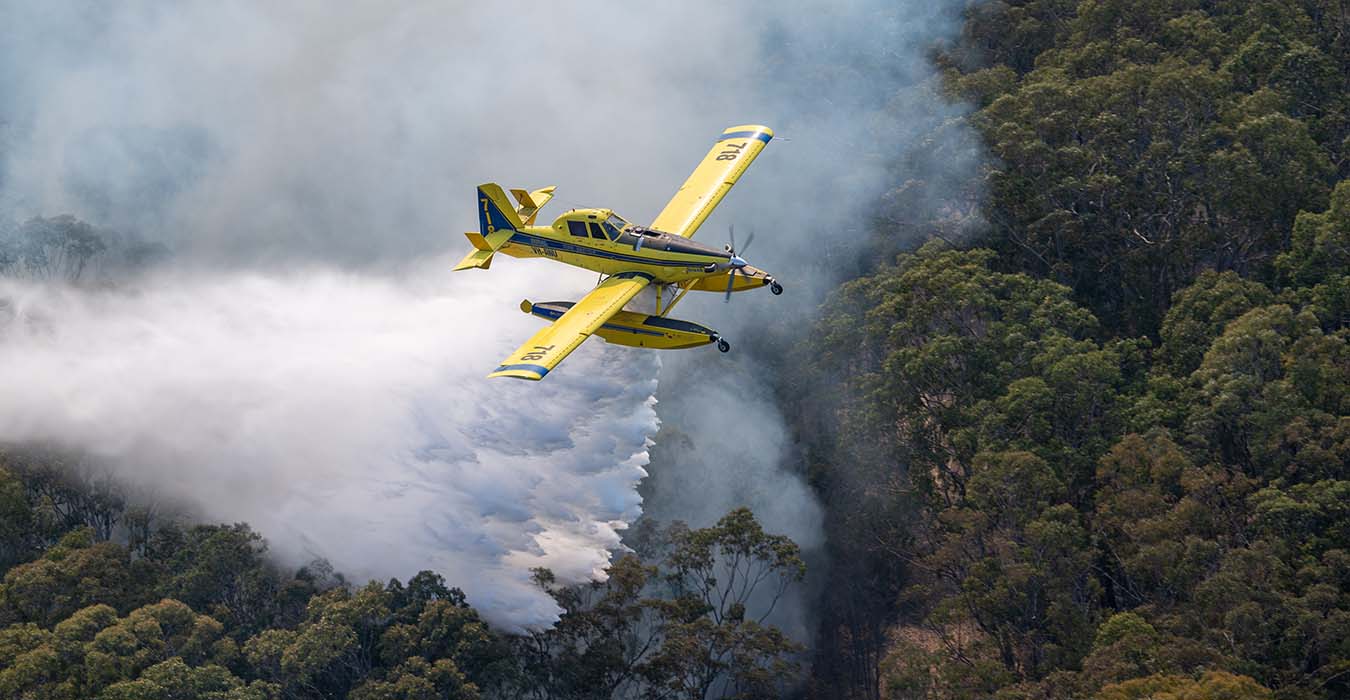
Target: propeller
(737,262)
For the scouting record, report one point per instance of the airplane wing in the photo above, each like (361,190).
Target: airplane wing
(735,149)
(549,346)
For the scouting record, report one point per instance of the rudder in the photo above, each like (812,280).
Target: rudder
(497,221)
(495,212)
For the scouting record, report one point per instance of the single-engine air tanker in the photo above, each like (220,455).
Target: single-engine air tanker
(628,257)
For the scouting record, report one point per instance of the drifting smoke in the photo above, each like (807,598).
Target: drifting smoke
(306,362)
(873,148)
(342,416)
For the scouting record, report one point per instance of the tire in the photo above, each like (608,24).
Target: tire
(775,288)
(723,345)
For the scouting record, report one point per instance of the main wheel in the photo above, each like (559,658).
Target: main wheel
(776,288)
(723,345)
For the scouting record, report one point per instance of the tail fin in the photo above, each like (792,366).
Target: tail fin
(495,212)
(497,220)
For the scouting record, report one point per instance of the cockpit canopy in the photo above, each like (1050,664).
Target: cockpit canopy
(592,223)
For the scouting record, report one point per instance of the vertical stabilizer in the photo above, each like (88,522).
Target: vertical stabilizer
(497,220)
(495,212)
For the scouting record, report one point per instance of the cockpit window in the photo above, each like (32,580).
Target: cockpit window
(596,232)
(610,231)
(577,228)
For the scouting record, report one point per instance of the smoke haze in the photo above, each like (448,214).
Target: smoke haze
(343,416)
(306,362)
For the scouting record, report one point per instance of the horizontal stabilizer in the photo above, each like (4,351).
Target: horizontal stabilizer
(483,249)
(478,258)
(531,202)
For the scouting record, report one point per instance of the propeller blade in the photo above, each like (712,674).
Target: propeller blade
(748,240)
(731,280)
(731,231)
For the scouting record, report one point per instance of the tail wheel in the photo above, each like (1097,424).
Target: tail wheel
(723,345)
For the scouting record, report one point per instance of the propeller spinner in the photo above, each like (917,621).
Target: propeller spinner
(736,263)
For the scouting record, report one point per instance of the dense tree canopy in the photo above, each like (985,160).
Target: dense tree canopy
(1100,449)
(1138,144)
(1035,479)
(151,609)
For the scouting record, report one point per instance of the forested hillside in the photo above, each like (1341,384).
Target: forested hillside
(103,600)
(1101,449)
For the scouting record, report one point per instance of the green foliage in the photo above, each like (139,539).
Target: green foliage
(74,574)
(354,641)
(1061,508)
(1316,262)
(220,569)
(202,612)
(1082,517)
(959,358)
(691,626)
(1212,686)
(94,653)
(988,386)
(1270,395)
(419,679)
(77,623)
(1142,143)
(173,679)
(17,521)
(1199,313)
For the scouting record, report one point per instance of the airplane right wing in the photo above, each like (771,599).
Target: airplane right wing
(549,346)
(735,149)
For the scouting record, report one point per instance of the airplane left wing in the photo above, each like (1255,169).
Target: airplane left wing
(549,346)
(735,149)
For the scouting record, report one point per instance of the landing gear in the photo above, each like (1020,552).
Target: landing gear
(723,345)
(775,288)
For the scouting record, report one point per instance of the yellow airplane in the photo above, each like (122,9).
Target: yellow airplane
(630,258)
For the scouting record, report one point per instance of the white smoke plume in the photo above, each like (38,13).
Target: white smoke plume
(344,416)
(307,363)
(864,133)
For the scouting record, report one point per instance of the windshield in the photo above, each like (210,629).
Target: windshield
(613,226)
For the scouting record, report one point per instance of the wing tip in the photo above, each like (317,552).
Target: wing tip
(753,128)
(531,372)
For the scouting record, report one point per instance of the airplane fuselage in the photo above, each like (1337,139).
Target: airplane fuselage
(662,263)
(578,238)
(663,256)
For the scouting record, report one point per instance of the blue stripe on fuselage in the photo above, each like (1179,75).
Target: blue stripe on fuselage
(527,239)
